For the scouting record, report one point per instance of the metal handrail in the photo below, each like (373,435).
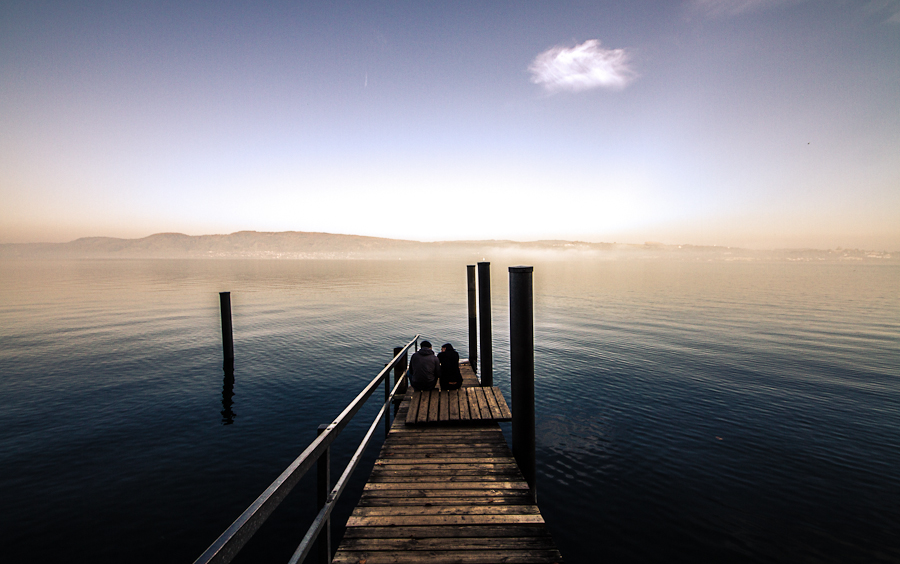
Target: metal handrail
(313,533)
(230,542)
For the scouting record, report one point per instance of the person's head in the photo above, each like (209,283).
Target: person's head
(426,344)
(446,347)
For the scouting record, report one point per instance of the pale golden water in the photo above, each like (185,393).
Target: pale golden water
(703,411)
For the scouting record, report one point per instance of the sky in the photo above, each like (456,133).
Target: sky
(751,123)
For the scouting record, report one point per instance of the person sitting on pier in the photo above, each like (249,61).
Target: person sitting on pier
(451,379)
(424,368)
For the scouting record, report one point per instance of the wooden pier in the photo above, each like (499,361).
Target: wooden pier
(445,488)
(446,493)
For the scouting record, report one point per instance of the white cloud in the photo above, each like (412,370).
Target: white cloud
(581,67)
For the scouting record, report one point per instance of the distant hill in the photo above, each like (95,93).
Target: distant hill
(307,245)
(243,244)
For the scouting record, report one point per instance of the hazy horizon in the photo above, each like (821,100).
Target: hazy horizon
(518,241)
(759,124)
(320,245)
(672,242)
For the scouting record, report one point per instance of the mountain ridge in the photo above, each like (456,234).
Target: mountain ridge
(319,245)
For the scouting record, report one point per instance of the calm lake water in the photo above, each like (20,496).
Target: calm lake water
(702,411)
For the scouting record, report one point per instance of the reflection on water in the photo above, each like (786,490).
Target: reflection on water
(711,411)
(227,394)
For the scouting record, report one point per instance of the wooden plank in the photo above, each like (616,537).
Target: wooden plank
(465,413)
(406,440)
(464,404)
(413,408)
(448,466)
(462,475)
(482,452)
(492,402)
(470,474)
(474,432)
(433,404)
(449,557)
(401,441)
(473,485)
(402,446)
(445,453)
(424,401)
(446,444)
(444,543)
(424,495)
(453,397)
(424,480)
(438,520)
(505,413)
(450,499)
(450,531)
(400,452)
(414,402)
(458,433)
(446,510)
(445,497)
(482,403)
(465,430)
(453,501)
(448,460)
(444,414)
(474,412)
(384,474)
(477,429)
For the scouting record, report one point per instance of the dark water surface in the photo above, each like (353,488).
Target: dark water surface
(686,411)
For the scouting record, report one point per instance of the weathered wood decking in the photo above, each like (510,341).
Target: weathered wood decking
(446,494)
(471,403)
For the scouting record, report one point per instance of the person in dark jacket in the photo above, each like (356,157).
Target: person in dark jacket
(424,368)
(451,379)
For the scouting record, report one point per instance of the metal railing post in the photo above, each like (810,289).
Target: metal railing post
(521,370)
(473,317)
(227,335)
(484,316)
(323,488)
(387,407)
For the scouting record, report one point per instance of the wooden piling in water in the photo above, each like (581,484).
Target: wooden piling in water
(473,317)
(521,370)
(484,317)
(227,336)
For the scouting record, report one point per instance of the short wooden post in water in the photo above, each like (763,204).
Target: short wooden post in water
(473,318)
(484,316)
(323,488)
(521,370)
(227,337)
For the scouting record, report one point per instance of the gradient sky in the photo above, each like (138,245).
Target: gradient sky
(755,123)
